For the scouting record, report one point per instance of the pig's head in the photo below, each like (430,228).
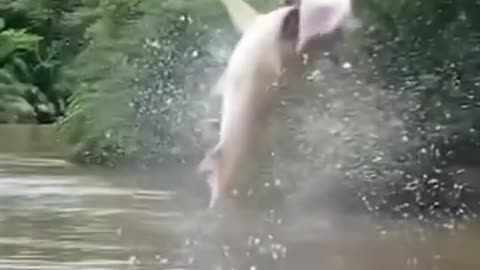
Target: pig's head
(306,22)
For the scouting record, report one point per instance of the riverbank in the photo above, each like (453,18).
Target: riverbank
(31,140)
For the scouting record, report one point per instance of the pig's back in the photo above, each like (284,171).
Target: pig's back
(258,46)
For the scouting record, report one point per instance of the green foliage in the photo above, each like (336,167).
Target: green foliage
(37,39)
(15,75)
(99,119)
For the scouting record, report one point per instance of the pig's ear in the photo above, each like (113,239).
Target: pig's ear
(241,14)
(320,17)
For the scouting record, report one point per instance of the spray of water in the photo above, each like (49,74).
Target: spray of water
(344,142)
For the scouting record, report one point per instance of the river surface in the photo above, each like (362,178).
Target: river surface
(54,215)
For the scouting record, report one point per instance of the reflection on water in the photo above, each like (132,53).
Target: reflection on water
(26,139)
(70,220)
(56,216)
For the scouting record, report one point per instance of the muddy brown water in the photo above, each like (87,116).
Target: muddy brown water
(54,215)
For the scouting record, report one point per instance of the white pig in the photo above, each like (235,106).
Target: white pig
(248,98)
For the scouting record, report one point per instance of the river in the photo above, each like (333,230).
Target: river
(55,215)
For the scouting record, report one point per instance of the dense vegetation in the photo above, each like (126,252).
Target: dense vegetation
(128,79)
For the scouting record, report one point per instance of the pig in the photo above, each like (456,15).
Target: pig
(268,43)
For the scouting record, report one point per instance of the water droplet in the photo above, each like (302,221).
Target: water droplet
(347,65)
(433,181)
(132,260)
